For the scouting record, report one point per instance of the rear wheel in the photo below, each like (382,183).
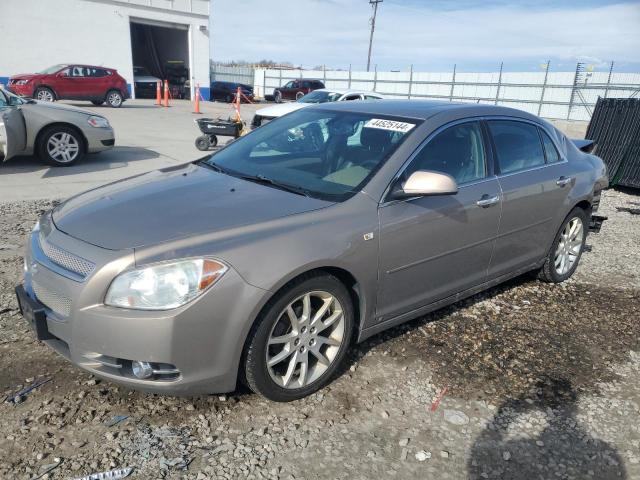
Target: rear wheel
(202,143)
(300,340)
(277,96)
(61,146)
(44,94)
(567,248)
(114,99)
(299,95)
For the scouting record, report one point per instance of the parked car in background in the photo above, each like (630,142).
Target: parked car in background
(328,225)
(72,82)
(59,134)
(227,91)
(144,83)
(323,95)
(296,89)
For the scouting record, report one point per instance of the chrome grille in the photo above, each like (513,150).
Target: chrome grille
(65,259)
(57,302)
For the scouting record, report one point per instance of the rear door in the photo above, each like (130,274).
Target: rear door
(532,192)
(435,246)
(13,132)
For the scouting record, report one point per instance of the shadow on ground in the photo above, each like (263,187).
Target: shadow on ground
(118,157)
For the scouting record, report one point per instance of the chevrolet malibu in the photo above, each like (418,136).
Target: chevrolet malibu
(266,260)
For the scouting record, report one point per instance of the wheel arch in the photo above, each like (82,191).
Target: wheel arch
(44,128)
(46,85)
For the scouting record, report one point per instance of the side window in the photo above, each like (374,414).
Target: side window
(77,71)
(306,84)
(3,100)
(458,151)
(352,97)
(517,144)
(289,85)
(550,149)
(371,97)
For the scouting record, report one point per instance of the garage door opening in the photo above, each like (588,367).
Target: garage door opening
(160,52)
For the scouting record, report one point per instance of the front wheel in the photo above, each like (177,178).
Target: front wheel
(277,96)
(44,94)
(114,99)
(567,248)
(300,340)
(61,146)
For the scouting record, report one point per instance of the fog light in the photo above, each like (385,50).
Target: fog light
(142,369)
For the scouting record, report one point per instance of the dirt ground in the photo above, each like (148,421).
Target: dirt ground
(524,381)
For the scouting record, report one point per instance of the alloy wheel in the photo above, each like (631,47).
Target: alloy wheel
(63,147)
(45,95)
(114,99)
(569,246)
(305,340)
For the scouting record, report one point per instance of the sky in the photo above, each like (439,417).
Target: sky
(431,35)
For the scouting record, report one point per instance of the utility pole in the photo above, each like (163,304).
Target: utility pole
(373,27)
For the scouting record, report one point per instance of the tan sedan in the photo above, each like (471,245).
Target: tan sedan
(58,134)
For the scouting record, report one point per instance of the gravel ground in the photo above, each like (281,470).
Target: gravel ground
(535,381)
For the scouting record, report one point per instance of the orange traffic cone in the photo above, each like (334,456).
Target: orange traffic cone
(158,93)
(197,105)
(166,93)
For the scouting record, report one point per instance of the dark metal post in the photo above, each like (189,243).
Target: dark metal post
(499,83)
(410,80)
(453,83)
(606,90)
(373,27)
(544,86)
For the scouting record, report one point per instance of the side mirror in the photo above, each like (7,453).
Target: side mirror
(423,183)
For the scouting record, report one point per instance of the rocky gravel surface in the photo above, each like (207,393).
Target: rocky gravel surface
(527,380)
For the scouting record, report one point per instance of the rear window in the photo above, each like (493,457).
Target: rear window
(517,145)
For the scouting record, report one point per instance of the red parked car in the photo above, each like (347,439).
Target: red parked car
(296,89)
(72,82)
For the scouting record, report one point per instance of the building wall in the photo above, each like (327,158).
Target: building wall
(95,32)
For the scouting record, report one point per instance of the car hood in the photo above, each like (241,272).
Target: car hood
(50,107)
(281,109)
(26,76)
(173,203)
(145,78)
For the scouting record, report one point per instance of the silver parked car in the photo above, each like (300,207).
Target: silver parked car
(59,134)
(267,259)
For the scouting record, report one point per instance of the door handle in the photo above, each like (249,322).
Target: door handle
(562,181)
(487,201)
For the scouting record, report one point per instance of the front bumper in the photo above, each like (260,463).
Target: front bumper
(202,340)
(22,90)
(99,139)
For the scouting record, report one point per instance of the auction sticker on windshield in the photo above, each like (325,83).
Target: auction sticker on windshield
(391,125)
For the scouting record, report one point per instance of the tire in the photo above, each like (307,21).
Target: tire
(114,99)
(277,96)
(66,141)
(202,143)
(284,381)
(44,94)
(555,269)
(213,141)
(299,95)
(97,103)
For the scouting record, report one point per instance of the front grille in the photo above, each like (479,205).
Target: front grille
(65,259)
(57,302)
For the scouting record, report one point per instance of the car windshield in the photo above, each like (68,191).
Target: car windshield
(320,97)
(53,69)
(140,71)
(323,154)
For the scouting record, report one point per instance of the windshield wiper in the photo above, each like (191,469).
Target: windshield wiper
(216,167)
(275,183)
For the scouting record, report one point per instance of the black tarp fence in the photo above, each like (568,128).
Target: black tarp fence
(615,127)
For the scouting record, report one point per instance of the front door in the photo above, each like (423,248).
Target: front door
(435,246)
(532,195)
(13,134)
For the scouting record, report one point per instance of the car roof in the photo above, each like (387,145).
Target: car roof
(423,109)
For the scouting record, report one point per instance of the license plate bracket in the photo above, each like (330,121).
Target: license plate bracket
(34,313)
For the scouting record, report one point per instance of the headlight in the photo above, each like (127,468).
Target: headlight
(165,285)
(22,82)
(98,122)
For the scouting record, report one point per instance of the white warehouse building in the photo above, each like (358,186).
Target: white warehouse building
(168,38)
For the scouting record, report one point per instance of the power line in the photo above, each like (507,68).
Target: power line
(373,27)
